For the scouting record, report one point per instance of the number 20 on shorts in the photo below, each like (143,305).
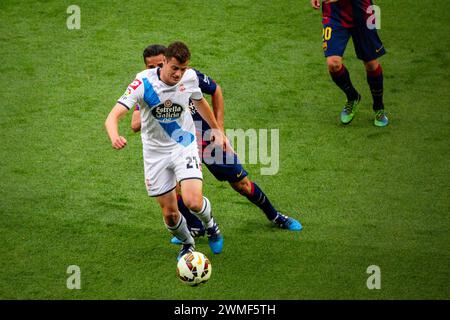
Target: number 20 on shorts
(326,33)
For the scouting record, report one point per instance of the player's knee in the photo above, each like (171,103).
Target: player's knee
(371,65)
(244,186)
(334,64)
(193,201)
(171,217)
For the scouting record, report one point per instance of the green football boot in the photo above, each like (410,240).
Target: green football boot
(349,110)
(381,120)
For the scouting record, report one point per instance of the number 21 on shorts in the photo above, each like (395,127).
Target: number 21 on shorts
(192,162)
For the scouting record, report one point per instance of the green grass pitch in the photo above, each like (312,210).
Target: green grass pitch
(365,195)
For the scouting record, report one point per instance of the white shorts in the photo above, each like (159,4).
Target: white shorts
(163,170)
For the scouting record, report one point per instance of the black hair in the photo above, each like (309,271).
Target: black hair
(154,50)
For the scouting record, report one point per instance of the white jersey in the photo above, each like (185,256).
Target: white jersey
(166,122)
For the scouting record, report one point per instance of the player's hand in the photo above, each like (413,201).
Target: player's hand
(315,4)
(119,142)
(218,138)
(228,148)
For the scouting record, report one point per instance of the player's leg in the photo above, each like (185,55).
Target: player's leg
(335,39)
(231,170)
(189,175)
(369,48)
(175,222)
(194,224)
(191,192)
(160,182)
(341,78)
(375,80)
(255,195)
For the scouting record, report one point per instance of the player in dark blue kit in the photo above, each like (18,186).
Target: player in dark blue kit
(229,168)
(341,20)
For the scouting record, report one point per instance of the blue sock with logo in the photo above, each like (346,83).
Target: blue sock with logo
(258,198)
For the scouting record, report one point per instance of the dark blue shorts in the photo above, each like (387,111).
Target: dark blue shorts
(228,168)
(367,43)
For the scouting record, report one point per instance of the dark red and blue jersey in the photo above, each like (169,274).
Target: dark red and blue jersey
(346,13)
(208,86)
(229,169)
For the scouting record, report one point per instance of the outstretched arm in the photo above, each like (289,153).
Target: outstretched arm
(112,126)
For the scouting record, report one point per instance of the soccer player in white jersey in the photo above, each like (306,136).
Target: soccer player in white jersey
(231,171)
(169,141)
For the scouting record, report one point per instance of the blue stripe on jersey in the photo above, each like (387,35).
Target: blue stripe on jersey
(150,96)
(173,129)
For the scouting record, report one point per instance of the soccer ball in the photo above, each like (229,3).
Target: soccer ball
(194,268)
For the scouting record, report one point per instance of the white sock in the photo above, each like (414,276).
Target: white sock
(181,231)
(205,214)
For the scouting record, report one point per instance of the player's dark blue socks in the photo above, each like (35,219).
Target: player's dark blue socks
(280,219)
(375,81)
(342,80)
(258,197)
(191,219)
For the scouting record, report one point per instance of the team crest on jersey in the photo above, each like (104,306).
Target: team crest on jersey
(167,111)
(182,88)
(135,84)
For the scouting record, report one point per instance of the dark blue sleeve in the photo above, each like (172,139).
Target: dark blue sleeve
(206,84)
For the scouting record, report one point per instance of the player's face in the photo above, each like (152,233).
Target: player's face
(172,71)
(154,61)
